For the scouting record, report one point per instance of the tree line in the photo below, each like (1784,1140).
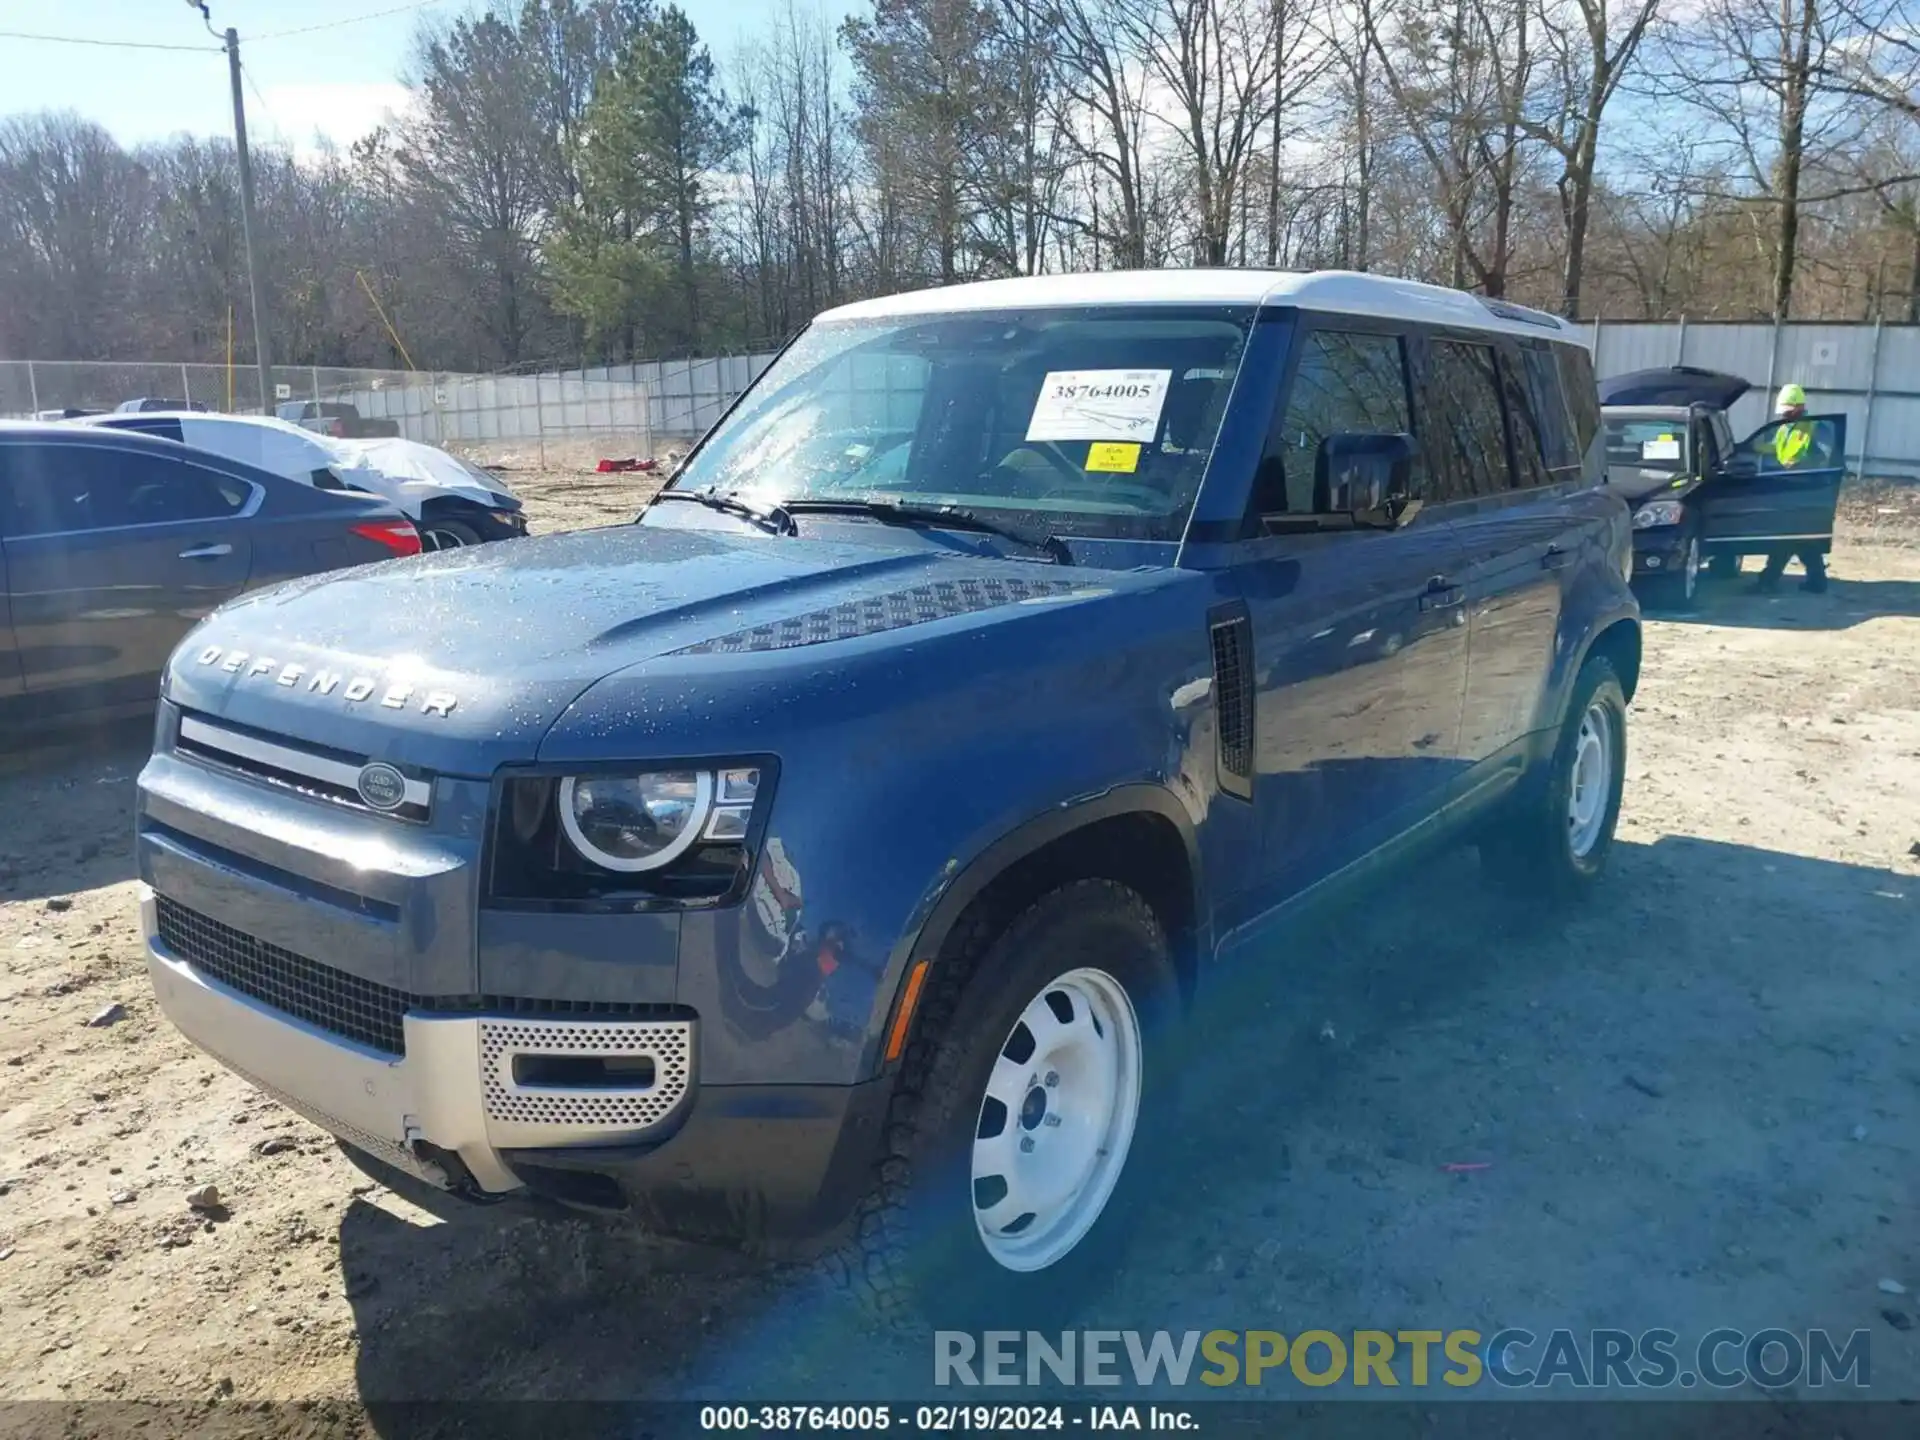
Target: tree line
(583,179)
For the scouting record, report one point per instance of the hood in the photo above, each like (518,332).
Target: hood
(461,660)
(408,472)
(1674,385)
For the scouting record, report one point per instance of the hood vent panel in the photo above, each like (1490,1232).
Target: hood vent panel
(919,605)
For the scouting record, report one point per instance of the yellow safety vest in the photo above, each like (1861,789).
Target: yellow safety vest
(1791,442)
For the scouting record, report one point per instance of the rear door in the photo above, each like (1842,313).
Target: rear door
(1768,497)
(112,555)
(1508,506)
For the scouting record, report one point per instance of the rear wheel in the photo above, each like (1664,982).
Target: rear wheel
(1012,1163)
(1555,841)
(447,535)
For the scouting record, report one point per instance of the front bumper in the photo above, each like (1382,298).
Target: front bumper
(1659,551)
(725,1163)
(457,1089)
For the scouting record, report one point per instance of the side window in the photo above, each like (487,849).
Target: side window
(1524,427)
(1557,439)
(42,496)
(1582,392)
(1347,382)
(1466,433)
(62,488)
(1787,445)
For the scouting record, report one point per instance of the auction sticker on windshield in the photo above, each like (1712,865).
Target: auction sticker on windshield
(1099,405)
(1664,447)
(1118,457)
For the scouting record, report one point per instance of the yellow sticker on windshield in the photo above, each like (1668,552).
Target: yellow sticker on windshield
(1113,456)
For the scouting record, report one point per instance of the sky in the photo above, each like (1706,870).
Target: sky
(337,81)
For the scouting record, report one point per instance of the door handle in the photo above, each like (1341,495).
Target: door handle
(1556,558)
(206,552)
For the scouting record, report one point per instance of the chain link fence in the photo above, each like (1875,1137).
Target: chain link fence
(564,418)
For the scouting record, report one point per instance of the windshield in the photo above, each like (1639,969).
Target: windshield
(1095,422)
(1647,445)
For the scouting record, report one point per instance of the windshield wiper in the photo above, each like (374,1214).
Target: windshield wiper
(948,517)
(772,518)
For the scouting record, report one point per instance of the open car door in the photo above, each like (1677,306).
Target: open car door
(1777,494)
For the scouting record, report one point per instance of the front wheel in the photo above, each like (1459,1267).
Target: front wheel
(1681,588)
(1012,1161)
(1554,842)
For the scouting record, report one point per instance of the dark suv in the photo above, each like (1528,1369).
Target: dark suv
(825,856)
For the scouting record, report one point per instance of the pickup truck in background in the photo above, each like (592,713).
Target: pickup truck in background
(335,418)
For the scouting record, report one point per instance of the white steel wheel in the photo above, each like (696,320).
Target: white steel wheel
(1690,570)
(1590,783)
(1057,1120)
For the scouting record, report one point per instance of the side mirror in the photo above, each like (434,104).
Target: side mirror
(1366,476)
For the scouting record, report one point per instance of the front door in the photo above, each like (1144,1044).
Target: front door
(112,556)
(1359,636)
(1779,490)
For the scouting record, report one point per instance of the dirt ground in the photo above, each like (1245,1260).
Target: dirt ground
(1696,1102)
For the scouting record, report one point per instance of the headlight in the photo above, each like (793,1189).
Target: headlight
(631,823)
(1658,512)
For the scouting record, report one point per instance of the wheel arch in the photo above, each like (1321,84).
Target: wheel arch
(1139,836)
(1621,643)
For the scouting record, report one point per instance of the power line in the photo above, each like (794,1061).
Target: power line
(350,20)
(107,44)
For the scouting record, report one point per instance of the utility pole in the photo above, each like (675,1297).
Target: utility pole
(231,40)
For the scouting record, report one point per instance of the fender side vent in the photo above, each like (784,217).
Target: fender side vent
(1233,702)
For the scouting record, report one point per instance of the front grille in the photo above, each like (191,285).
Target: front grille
(346,1005)
(331,999)
(317,772)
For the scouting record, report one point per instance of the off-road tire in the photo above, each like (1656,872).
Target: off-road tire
(1528,850)
(915,1255)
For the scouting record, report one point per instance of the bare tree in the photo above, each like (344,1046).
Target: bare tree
(1751,68)
(1459,83)
(1215,60)
(473,148)
(1589,48)
(73,213)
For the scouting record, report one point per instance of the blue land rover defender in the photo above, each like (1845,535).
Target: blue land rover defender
(825,857)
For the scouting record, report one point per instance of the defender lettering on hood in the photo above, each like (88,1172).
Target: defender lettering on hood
(354,689)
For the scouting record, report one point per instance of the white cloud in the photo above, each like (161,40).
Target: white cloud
(302,113)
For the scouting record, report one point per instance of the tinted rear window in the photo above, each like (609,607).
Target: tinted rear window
(1464,429)
(57,489)
(1558,441)
(1582,393)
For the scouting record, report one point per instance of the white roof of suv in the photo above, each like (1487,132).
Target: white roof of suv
(1338,291)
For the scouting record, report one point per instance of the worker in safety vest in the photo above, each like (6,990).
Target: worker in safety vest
(1797,442)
